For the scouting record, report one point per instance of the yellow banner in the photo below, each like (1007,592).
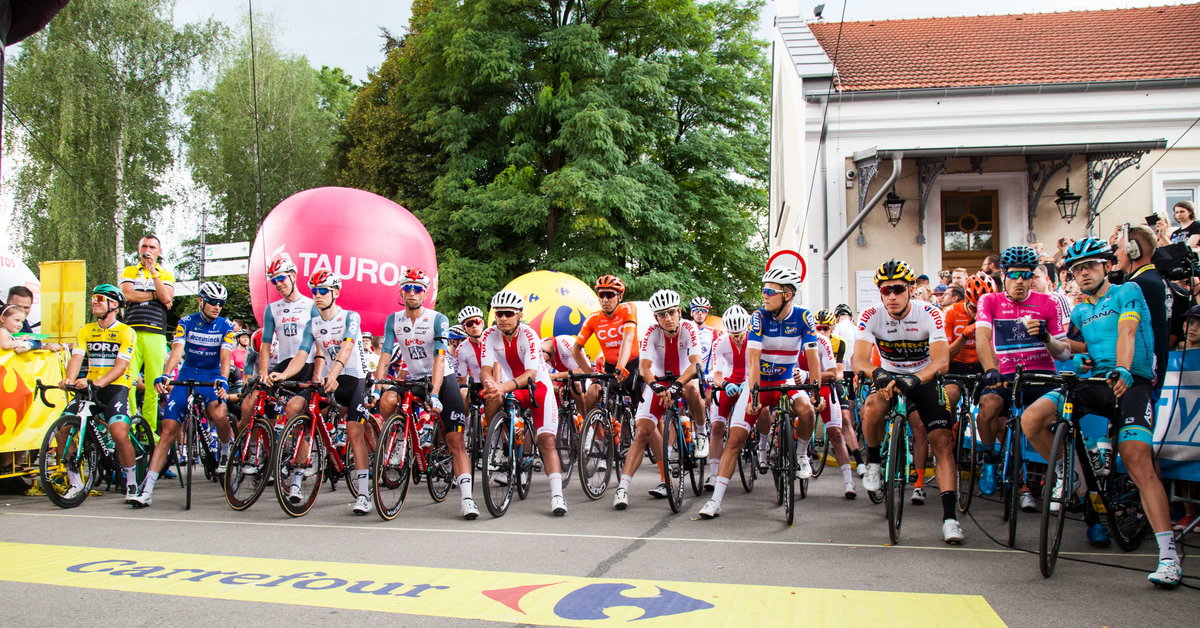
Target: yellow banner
(23,417)
(488,595)
(64,299)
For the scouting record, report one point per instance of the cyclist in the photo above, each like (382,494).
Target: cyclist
(1118,342)
(203,342)
(832,412)
(778,332)
(615,326)
(670,348)
(511,360)
(911,338)
(339,367)
(729,378)
(467,354)
(420,336)
(1004,343)
(960,332)
(283,327)
(108,346)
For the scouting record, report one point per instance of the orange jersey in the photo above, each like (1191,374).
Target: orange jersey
(957,319)
(610,330)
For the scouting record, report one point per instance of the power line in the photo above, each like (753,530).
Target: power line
(1096,215)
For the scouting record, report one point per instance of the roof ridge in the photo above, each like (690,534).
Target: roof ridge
(1155,8)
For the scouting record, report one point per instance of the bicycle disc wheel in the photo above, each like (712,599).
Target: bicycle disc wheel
(787,451)
(1050,536)
(596,454)
(896,477)
(391,467)
(967,457)
(498,465)
(670,456)
(566,440)
(1126,518)
(249,462)
(1016,479)
(142,438)
(58,460)
(747,464)
(298,461)
(439,469)
(819,447)
(371,435)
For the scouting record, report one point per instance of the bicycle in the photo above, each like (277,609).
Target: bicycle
(605,437)
(1113,494)
(511,453)
(401,452)
(1013,467)
(476,429)
(966,438)
(196,444)
(678,448)
(566,440)
(898,463)
(250,455)
(782,456)
(77,444)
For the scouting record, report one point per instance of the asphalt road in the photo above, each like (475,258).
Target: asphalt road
(835,545)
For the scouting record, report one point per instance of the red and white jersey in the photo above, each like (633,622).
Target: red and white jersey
(824,356)
(515,354)
(730,359)
(670,355)
(467,359)
(562,358)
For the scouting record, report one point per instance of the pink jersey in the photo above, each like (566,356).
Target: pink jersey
(1014,346)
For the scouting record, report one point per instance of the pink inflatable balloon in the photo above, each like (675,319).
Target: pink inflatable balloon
(367,239)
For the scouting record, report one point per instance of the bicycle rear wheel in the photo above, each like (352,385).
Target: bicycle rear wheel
(1050,536)
(787,453)
(672,457)
(596,450)
(391,467)
(58,461)
(566,440)
(473,438)
(298,461)
(696,466)
(1126,518)
(439,469)
(142,438)
(896,477)
(818,447)
(499,464)
(966,455)
(249,461)
(1016,480)
(747,463)
(371,434)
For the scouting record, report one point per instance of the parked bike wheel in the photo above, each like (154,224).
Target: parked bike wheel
(439,469)
(596,451)
(249,465)
(896,478)
(391,467)
(58,461)
(498,464)
(298,460)
(1050,535)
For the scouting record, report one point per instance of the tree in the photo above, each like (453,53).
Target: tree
(626,137)
(93,92)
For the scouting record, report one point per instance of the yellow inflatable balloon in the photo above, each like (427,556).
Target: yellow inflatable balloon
(556,304)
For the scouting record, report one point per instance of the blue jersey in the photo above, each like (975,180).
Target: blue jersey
(1098,323)
(202,342)
(780,341)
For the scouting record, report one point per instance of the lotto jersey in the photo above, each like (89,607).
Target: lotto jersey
(609,330)
(468,358)
(903,343)
(1014,346)
(103,347)
(328,335)
(515,354)
(418,341)
(1098,322)
(957,319)
(284,323)
(780,340)
(670,355)
(730,359)
(202,340)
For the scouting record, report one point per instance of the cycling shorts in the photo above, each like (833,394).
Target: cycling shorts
(305,374)
(454,411)
(831,415)
(112,402)
(178,401)
(633,384)
(965,368)
(545,416)
(930,402)
(351,393)
(723,403)
(766,400)
(1029,393)
(1134,416)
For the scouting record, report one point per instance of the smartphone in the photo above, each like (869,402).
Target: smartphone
(1152,220)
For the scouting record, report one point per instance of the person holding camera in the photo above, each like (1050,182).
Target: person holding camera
(1189,230)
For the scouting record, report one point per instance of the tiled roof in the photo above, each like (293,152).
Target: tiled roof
(1031,48)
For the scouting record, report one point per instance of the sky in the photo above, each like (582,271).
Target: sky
(348,37)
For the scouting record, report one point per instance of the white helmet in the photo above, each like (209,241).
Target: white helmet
(736,319)
(508,300)
(783,276)
(469,312)
(212,291)
(700,302)
(280,266)
(664,300)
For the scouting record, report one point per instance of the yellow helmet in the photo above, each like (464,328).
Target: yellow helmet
(894,269)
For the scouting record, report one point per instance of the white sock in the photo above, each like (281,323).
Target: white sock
(465,485)
(802,446)
(847,474)
(225,448)
(763,442)
(151,479)
(555,484)
(1166,545)
(74,478)
(130,476)
(360,481)
(625,480)
(297,477)
(713,464)
(719,486)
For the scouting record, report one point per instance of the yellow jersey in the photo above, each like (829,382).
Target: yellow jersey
(103,347)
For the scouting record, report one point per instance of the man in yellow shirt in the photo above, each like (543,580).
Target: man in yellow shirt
(149,290)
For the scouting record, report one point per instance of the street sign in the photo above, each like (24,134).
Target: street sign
(225,267)
(226,251)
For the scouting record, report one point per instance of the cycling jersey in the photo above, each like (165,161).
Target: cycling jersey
(839,348)
(780,340)
(730,359)
(1097,319)
(846,330)
(957,320)
(103,347)
(202,342)
(289,318)
(707,337)
(610,330)
(1014,346)
(148,315)
(825,357)
(328,336)
(903,343)
(515,355)
(419,340)
(467,356)
(562,359)
(670,355)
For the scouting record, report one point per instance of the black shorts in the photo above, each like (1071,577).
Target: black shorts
(112,401)
(454,411)
(929,401)
(633,384)
(1133,413)
(965,368)
(1029,392)
(351,393)
(305,374)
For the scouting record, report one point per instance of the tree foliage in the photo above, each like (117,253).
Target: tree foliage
(623,137)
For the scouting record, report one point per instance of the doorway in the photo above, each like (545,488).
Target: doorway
(970,228)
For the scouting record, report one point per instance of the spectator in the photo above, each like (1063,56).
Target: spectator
(149,292)
(1135,253)
(1041,283)
(922,280)
(959,277)
(12,317)
(953,295)
(22,297)
(1191,329)
(991,265)
(944,277)
(1162,229)
(922,294)
(1063,245)
(1189,230)
(1064,275)
(1073,293)
(938,295)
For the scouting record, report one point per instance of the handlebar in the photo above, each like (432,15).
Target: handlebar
(403,384)
(42,388)
(191,383)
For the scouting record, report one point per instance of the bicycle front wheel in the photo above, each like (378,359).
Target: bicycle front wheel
(391,468)
(672,457)
(439,470)
(142,439)
(298,463)
(787,451)
(747,464)
(896,477)
(566,440)
(249,463)
(61,464)
(1015,481)
(1054,508)
(596,449)
(819,447)
(499,466)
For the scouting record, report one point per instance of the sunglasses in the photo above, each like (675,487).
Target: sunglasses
(321,291)
(822,327)
(279,279)
(666,314)
(413,288)
(216,302)
(1085,266)
(1019,274)
(506,313)
(100,298)
(896,289)
(770,292)
(473,322)
(607,295)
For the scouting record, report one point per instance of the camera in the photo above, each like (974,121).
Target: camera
(1152,220)
(1177,261)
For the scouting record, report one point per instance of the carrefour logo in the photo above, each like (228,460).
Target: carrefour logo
(593,601)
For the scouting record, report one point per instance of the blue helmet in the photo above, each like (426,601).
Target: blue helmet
(457,333)
(1018,257)
(1087,248)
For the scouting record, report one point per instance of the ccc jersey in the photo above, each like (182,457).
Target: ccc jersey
(903,343)
(328,335)
(780,340)
(957,320)
(284,323)
(103,347)
(417,341)
(1098,321)
(610,330)
(670,355)
(202,340)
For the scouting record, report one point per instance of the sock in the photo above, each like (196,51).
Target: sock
(847,474)
(151,479)
(1166,545)
(625,480)
(225,448)
(763,442)
(713,465)
(802,446)
(297,477)
(873,456)
(920,483)
(555,484)
(857,455)
(74,478)
(949,503)
(360,481)
(465,484)
(130,476)
(719,486)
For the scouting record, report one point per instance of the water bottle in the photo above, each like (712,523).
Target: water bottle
(339,436)
(1104,451)
(687,428)
(425,435)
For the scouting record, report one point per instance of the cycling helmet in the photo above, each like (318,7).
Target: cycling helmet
(736,319)
(1018,257)
(469,312)
(978,285)
(280,266)
(457,333)
(825,317)
(110,292)
(610,282)
(212,291)
(508,300)
(256,340)
(664,300)
(324,279)
(700,302)
(894,269)
(785,277)
(415,276)
(1087,248)
(843,309)
(241,332)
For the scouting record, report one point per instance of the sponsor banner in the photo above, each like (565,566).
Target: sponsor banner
(23,417)
(494,596)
